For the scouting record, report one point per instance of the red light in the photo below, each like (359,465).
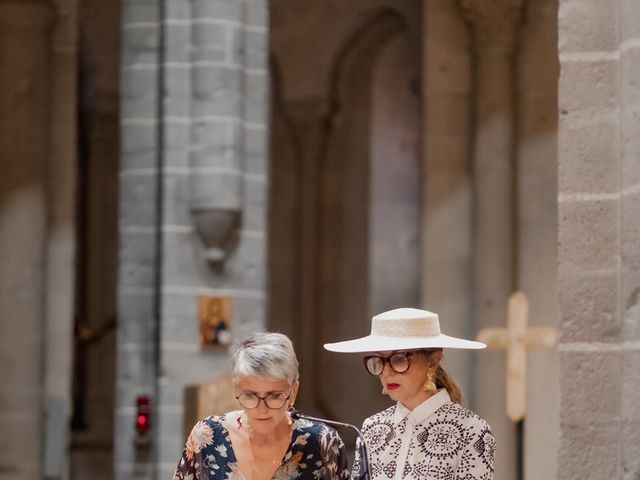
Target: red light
(142,414)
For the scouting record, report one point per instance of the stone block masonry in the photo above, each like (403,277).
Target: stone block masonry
(599,228)
(213,148)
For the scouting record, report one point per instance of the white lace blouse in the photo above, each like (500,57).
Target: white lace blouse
(438,440)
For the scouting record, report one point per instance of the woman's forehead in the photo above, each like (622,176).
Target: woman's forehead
(261,384)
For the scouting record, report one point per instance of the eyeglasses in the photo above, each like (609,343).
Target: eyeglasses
(399,362)
(273,400)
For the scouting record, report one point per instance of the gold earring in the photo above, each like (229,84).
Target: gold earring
(384,390)
(429,384)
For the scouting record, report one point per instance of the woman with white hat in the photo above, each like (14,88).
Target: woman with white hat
(427,434)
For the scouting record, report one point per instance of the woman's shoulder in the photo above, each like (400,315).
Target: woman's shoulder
(213,423)
(381,417)
(455,411)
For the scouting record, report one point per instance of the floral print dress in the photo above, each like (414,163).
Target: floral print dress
(315,452)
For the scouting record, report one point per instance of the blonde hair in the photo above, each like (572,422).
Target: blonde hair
(444,380)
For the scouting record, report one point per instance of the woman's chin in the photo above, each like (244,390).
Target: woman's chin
(265,425)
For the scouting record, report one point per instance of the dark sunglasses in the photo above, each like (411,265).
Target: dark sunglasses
(399,362)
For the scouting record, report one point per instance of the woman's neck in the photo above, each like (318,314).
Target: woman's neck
(271,437)
(418,399)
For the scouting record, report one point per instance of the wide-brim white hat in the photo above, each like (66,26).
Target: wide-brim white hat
(403,329)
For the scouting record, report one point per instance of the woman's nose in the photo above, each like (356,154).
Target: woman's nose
(387,370)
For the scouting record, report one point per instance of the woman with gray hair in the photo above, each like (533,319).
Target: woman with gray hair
(261,441)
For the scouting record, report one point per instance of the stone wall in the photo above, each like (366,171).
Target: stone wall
(209,150)
(599,234)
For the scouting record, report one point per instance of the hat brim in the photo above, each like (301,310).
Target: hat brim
(376,343)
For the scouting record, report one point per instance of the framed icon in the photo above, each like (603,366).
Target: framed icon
(214,315)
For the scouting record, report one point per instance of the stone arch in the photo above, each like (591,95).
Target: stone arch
(349,217)
(319,221)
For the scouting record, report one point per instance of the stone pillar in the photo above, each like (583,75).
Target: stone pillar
(24,99)
(598,234)
(495,27)
(309,118)
(137,286)
(447,244)
(629,218)
(61,239)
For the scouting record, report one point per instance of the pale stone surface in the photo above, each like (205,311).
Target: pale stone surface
(590,86)
(589,451)
(586,406)
(598,264)
(628,19)
(591,148)
(588,25)
(595,229)
(589,295)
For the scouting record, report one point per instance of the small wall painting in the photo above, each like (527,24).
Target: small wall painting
(214,314)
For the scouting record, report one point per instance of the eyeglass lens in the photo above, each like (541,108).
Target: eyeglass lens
(252,400)
(399,363)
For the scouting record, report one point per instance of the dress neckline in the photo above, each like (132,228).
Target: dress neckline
(232,454)
(424,410)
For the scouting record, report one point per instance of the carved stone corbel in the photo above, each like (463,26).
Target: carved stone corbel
(215,203)
(217,229)
(216,209)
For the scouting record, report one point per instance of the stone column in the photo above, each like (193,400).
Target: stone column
(309,120)
(495,26)
(447,244)
(598,237)
(61,235)
(24,29)
(137,285)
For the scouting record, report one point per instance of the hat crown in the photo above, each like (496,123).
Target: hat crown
(405,322)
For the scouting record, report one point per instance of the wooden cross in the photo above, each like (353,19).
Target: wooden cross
(515,339)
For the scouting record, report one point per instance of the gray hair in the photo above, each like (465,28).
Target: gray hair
(267,355)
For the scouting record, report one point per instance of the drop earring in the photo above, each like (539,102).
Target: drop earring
(290,420)
(429,384)
(384,390)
